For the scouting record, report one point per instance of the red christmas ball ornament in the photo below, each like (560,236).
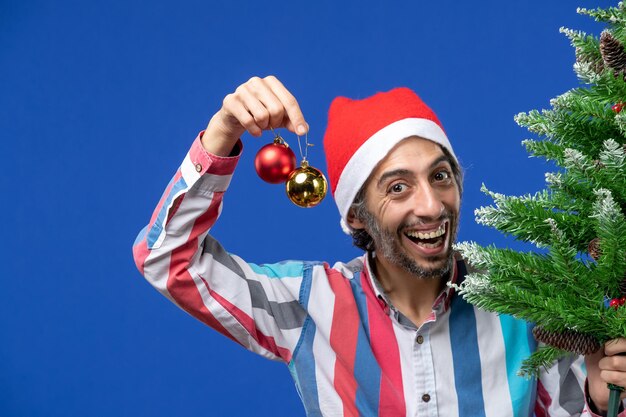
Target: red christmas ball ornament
(622,300)
(614,303)
(275,161)
(617,107)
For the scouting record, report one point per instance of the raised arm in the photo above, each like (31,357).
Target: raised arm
(256,306)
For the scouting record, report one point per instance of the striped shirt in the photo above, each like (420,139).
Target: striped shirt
(349,351)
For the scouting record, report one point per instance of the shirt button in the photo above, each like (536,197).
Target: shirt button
(198,167)
(425,398)
(420,339)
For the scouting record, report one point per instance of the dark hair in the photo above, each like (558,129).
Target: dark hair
(360,237)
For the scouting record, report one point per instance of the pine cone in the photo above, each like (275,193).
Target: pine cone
(568,340)
(612,52)
(594,248)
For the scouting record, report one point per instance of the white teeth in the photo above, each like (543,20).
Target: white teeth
(429,245)
(431,235)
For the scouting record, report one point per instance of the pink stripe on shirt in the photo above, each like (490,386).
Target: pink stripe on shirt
(543,401)
(343,340)
(180,283)
(387,353)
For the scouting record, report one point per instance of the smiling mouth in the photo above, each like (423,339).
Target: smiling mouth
(429,240)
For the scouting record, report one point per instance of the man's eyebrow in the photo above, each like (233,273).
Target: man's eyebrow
(402,172)
(442,158)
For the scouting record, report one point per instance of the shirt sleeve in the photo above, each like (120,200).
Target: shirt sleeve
(561,390)
(256,306)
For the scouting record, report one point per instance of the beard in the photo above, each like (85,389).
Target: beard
(387,245)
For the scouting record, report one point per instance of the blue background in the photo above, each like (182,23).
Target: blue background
(99,104)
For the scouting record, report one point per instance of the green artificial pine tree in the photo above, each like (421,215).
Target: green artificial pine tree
(573,288)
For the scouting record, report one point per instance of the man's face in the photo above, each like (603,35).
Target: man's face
(412,202)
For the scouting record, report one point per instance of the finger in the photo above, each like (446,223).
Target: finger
(296,122)
(259,89)
(255,107)
(234,108)
(614,377)
(615,346)
(613,363)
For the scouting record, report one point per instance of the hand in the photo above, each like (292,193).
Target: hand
(255,106)
(606,366)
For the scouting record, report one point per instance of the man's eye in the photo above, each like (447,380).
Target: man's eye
(397,188)
(442,176)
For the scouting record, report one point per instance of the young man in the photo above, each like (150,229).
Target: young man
(382,335)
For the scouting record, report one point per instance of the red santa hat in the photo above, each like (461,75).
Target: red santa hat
(361,133)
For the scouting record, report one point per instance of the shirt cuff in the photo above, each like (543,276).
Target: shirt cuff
(205,162)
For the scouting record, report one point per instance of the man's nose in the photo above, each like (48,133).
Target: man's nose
(427,203)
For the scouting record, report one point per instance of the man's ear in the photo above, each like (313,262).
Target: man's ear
(353,222)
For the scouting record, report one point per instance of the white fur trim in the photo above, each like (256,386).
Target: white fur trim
(345,227)
(370,153)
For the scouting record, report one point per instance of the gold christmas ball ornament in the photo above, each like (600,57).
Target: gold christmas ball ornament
(306,186)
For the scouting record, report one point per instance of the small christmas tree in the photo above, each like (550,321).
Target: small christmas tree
(574,286)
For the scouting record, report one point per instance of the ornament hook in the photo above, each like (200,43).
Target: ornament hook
(278,138)
(304,154)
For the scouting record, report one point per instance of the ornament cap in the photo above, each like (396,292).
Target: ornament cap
(278,140)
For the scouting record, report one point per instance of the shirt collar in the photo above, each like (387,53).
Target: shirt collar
(442,302)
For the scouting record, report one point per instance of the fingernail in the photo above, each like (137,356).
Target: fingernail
(301,129)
